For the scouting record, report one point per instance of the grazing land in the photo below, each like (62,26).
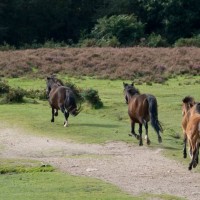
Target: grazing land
(96,143)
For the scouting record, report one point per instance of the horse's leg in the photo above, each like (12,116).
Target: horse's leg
(140,132)
(196,160)
(66,115)
(133,130)
(146,136)
(52,112)
(159,137)
(185,146)
(56,112)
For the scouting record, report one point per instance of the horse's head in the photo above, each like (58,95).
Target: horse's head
(129,91)
(187,103)
(51,82)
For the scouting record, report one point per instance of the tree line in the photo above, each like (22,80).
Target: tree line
(99,22)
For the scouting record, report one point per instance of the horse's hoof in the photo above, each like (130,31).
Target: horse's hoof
(137,136)
(148,142)
(140,143)
(65,124)
(130,134)
(52,120)
(194,164)
(184,155)
(159,139)
(190,167)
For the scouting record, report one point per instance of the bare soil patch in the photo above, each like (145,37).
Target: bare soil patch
(132,168)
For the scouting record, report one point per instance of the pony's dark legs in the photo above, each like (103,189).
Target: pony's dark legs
(52,112)
(66,115)
(184,146)
(196,156)
(56,112)
(133,130)
(140,136)
(195,159)
(146,136)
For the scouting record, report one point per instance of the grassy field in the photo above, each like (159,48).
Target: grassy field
(94,126)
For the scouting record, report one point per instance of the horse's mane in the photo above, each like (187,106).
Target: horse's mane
(198,107)
(188,99)
(132,91)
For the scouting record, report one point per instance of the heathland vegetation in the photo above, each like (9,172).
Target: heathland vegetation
(136,63)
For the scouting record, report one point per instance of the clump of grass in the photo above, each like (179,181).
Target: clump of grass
(24,169)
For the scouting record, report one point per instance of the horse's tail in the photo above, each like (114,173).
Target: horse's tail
(153,112)
(70,103)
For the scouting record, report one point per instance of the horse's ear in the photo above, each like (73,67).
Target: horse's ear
(125,84)
(132,84)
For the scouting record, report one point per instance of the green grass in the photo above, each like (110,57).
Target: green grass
(26,179)
(56,186)
(93,126)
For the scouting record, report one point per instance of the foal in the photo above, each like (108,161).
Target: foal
(191,129)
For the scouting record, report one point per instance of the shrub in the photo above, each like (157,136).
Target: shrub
(15,95)
(154,41)
(92,97)
(4,87)
(39,94)
(188,42)
(6,47)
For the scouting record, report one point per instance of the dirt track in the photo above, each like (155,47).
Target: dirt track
(133,169)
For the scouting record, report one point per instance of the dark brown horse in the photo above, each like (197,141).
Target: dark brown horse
(191,129)
(61,98)
(142,108)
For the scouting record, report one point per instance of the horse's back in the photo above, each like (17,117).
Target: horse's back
(138,108)
(58,95)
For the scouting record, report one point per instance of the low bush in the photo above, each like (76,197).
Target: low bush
(154,41)
(4,87)
(38,94)
(188,42)
(15,95)
(92,97)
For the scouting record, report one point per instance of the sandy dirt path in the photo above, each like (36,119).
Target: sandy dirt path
(132,168)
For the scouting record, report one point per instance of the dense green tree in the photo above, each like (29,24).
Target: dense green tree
(26,21)
(125,28)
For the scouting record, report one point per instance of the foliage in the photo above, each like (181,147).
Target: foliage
(188,42)
(62,23)
(123,29)
(6,47)
(154,41)
(39,94)
(15,95)
(93,98)
(4,87)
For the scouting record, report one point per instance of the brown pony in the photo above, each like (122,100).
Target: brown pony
(191,129)
(61,98)
(142,108)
